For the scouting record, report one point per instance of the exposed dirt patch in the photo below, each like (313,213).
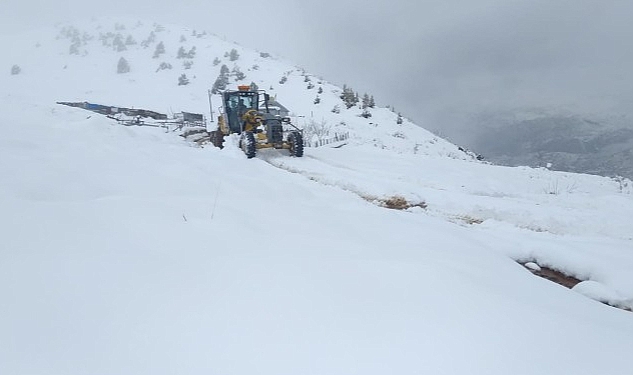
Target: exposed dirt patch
(559,278)
(554,275)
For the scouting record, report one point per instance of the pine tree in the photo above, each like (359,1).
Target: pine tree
(320,90)
(216,61)
(123,66)
(192,53)
(181,53)
(160,49)
(317,100)
(348,96)
(150,39)
(253,86)
(15,70)
(371,103)
(187,64)
(183,80)
(74,48)
(283,80)
(399,120)
(238,74)
(342,96)
(233,55)
(118,43)
(365,102)
(164,66)
(222,81)
(129,41)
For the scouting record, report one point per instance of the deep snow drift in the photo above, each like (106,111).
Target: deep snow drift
(127,250)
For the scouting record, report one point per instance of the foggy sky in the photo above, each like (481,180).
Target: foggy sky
(429,59)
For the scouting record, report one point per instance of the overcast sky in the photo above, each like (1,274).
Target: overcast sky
(426,58)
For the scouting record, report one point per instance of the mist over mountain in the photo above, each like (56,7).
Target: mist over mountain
(601,145)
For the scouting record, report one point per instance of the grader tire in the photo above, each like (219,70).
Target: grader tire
(295,141)
(248,145)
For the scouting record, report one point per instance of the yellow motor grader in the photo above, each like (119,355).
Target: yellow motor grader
(240,113)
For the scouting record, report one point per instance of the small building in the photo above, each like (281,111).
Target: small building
(277,108)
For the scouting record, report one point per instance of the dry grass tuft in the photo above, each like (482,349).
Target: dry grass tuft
(397,202)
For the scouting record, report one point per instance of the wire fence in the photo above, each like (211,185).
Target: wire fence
(326,141)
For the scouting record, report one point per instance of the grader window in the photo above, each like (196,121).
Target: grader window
(242,102)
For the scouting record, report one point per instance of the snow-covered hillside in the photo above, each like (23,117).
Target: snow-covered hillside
(128,250)
(79,62)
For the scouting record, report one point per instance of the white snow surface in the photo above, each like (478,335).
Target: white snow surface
(128,250)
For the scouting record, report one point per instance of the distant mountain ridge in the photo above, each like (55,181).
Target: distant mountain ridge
(567,143)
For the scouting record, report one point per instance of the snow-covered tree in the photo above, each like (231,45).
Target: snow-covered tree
(253,86)
(238,74)
(316,130)
(74,48)
(349,97)
(118,44)
(216,61)
(399,120)
(222,81)
(365,101)
(15,70)
(183,80)
(371,103)
(233,55)
(317,100)
(183,54)
(151,38)
(164,66)
(160,49)
(123,66)
(187,64)
(283,80)
(130,41)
